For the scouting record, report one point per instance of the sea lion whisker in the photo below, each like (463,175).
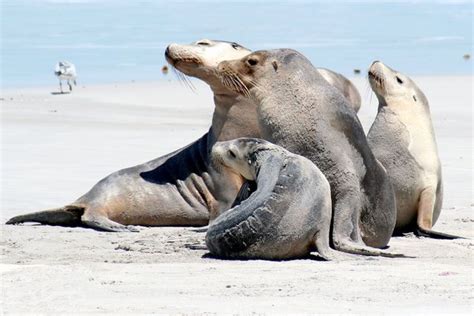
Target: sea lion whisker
(224,78)
(183,79)
(239,84)
(244,87)
(233,85)
(257,85)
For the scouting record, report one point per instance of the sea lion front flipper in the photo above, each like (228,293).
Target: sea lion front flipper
(421,232)
(247,188)
(321,241)
(102,223)
(424,220)
(352,247)
(202,229)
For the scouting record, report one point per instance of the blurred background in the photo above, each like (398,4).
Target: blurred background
(120,41)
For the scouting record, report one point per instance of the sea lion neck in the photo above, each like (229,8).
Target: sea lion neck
(234,116)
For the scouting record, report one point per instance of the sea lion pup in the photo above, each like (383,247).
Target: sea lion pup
(298,110)
(402,139)
(344,85)
(289,214)
(180,188)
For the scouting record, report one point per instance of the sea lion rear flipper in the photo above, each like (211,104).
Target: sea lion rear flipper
(69,215)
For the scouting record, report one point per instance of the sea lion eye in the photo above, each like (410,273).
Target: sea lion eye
(414,98)
(400,81)
(235,45)
(203,43)
(232,154)
(252,61)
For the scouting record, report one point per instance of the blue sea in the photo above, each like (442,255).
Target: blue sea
(119,41)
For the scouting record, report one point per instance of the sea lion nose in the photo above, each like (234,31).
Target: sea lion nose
(170,48)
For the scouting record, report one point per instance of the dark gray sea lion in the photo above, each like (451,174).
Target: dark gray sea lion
(298,110)
(180,188)
(403,140)
(289,214)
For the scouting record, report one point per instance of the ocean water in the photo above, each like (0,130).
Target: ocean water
(116,40)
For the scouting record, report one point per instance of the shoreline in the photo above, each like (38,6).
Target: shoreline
(171,78)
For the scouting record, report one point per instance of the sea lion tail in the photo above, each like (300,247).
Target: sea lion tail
(69,215)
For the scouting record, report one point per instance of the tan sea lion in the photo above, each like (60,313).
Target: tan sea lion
(298,110)
(180,188)
(403,140)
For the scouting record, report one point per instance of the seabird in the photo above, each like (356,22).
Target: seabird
(65,70)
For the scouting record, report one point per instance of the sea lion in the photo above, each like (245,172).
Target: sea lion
(403,140)
(180,188)
(289,214)
(298,110)
(344,85)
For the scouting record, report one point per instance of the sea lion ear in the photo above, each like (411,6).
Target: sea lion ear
(275,65)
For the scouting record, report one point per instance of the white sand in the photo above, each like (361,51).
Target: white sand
(55,147)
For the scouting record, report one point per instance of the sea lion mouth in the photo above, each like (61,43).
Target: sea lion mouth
(376,78)
(176,59)
(185,60)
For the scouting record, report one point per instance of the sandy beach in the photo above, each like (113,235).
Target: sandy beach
(56,147)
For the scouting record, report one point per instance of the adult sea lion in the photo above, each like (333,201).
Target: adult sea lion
(298,110)
(180,188)
(402,139)
(289,214)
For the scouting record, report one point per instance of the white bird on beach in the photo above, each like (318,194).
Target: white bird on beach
(65,70)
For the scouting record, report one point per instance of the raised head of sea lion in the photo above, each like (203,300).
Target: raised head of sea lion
(287,216)
(403,140)
(180,188)
(298,110)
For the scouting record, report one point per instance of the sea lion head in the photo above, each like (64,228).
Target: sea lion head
(263,69)
(240,155)
(200,59)
(393,88)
